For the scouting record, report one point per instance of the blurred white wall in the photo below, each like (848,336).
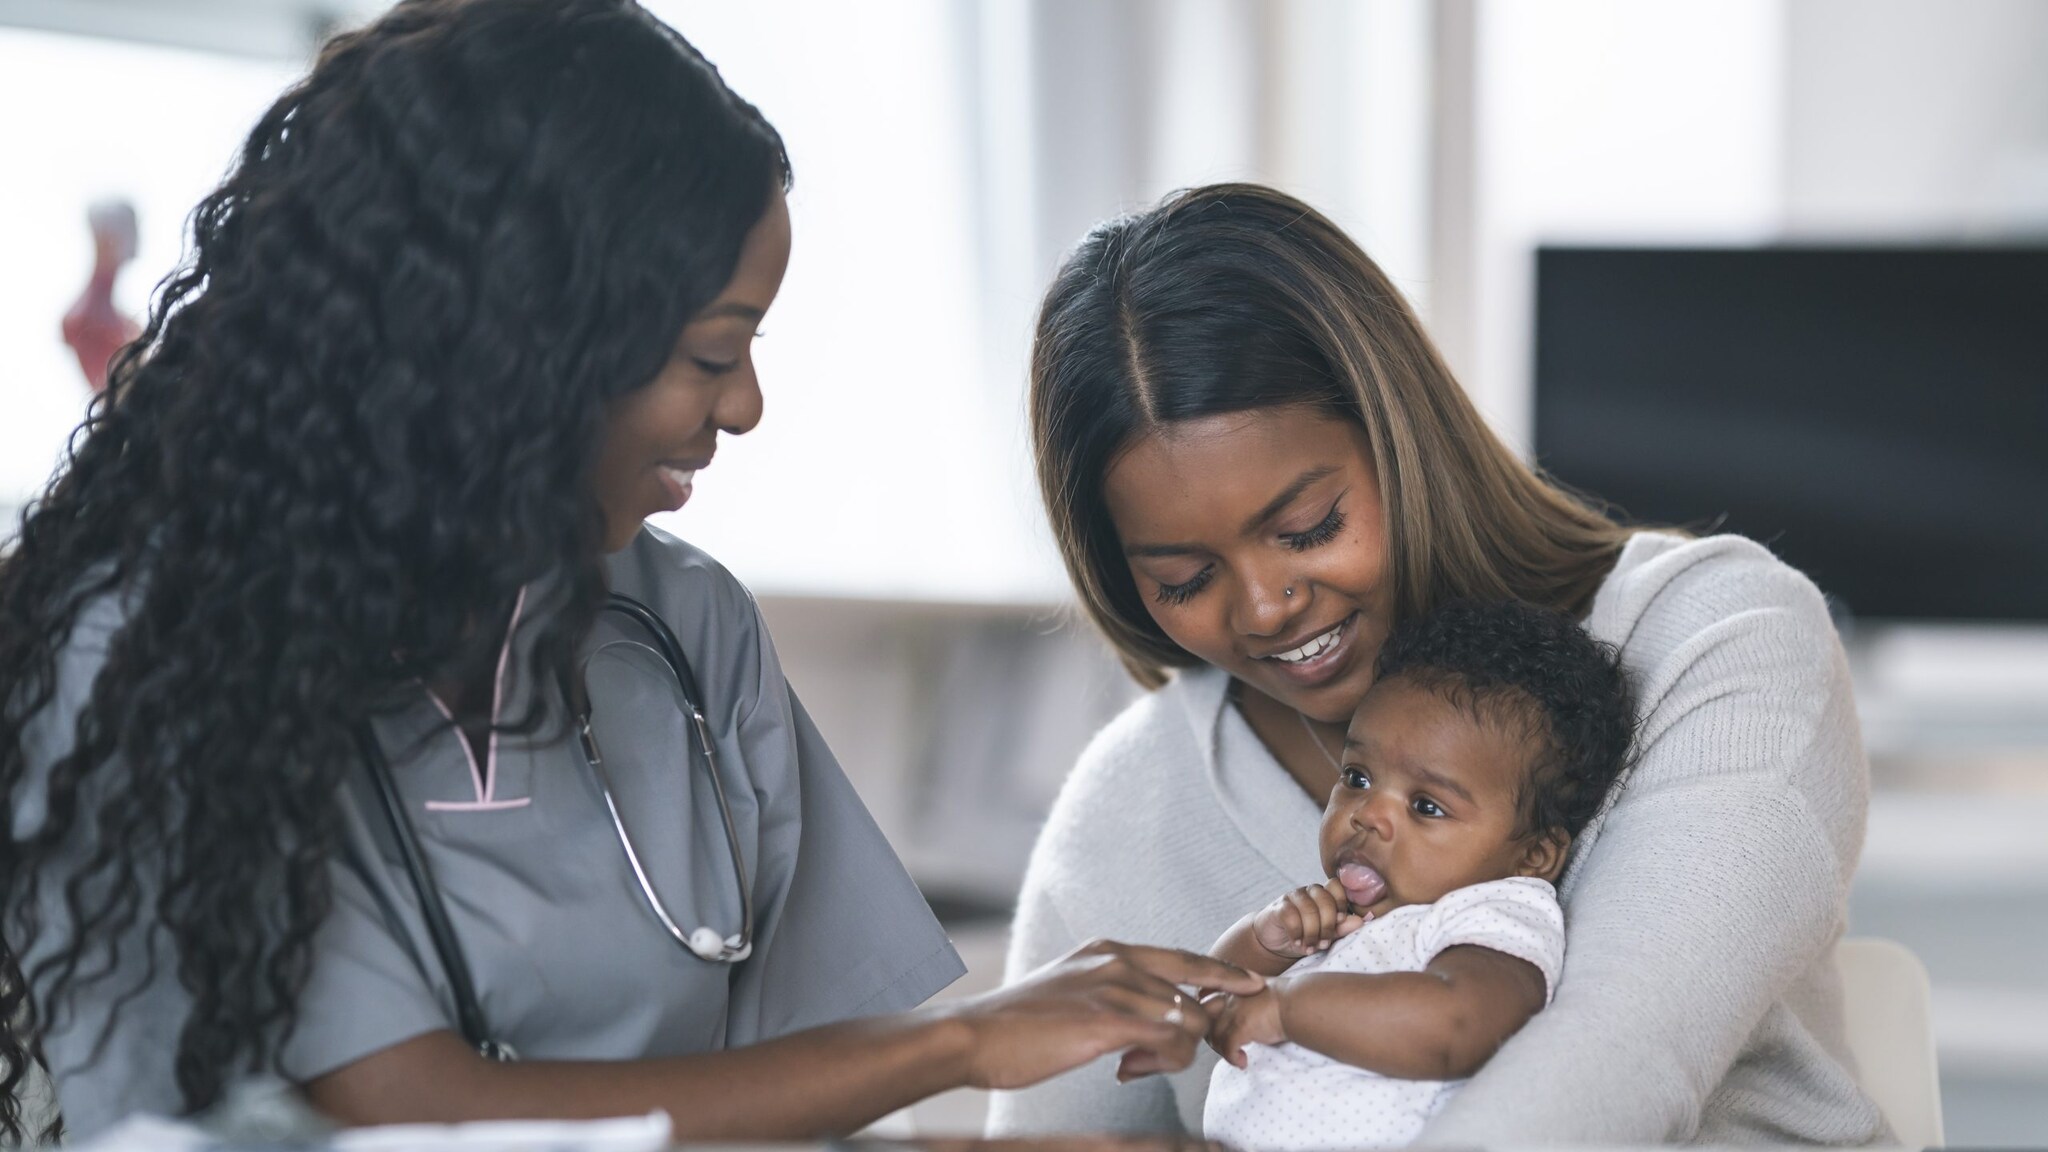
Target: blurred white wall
(1909,118)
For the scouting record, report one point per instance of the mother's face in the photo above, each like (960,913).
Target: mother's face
(1220,516)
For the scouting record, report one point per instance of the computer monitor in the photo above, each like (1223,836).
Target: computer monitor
(1878,416)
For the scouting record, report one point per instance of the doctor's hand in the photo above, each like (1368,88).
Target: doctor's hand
(1100,998)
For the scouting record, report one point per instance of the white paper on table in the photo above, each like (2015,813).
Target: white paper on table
(649,1133)
(148,1134)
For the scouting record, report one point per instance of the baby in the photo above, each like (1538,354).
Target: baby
(1490,737)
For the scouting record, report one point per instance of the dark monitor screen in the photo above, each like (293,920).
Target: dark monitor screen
(1878,416)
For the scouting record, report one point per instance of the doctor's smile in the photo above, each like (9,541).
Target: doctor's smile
(678,480)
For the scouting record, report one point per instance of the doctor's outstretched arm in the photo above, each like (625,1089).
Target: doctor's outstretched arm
(1103,997)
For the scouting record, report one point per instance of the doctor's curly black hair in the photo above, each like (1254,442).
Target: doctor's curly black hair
(361,417)
(1539,671)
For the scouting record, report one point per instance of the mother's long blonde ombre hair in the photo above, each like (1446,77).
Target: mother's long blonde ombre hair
(1236,297)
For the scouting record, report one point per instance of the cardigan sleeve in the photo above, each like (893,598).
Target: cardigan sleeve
(1717,879)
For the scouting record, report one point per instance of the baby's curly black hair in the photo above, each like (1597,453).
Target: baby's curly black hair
(1512,662)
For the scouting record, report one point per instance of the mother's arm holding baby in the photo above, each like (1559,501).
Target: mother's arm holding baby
(1700,1001)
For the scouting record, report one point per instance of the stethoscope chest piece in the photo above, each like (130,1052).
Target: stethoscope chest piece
(709,945)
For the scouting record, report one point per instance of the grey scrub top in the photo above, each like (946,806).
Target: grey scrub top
(567,960)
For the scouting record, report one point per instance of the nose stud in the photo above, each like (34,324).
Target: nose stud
(1290,590)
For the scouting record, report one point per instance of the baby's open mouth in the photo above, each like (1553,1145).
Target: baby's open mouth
(1362,883)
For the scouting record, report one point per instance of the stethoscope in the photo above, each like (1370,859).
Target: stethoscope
(703,942)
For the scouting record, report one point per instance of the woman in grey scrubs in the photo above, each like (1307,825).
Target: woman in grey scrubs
(476,300)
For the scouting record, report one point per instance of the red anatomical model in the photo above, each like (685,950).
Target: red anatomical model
(93,327)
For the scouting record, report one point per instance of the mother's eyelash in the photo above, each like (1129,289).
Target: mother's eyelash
(1174,594)
(1322,533)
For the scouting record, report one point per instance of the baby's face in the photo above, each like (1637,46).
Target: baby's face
(1426,803)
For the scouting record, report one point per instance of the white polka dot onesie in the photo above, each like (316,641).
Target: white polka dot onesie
(1289,1099)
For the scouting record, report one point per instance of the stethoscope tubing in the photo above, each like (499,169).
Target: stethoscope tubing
(705,943)
(433,909)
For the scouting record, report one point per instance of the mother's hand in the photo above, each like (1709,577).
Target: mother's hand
(1102,997)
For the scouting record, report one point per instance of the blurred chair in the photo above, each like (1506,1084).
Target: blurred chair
(1891,1035)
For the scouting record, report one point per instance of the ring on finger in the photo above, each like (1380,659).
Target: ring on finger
(1174,1015)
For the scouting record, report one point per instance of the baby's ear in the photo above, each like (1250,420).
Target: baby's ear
(1543,855)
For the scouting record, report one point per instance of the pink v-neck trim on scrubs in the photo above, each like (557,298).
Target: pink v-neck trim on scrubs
(485,778)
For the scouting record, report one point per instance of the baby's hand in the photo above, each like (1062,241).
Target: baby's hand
(1306,920)
(1240,1020)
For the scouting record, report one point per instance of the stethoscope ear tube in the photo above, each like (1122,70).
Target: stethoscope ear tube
(469,1014)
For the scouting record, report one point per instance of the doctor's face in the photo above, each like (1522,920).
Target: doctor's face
(656,438)
(1257,541)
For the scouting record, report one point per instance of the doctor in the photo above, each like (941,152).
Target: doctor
(350,730)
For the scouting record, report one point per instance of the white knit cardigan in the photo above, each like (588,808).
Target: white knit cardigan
(1698,1002)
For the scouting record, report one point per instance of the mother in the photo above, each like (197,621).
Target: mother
(1256,463)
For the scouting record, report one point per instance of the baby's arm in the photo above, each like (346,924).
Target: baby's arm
(1442,1023)
(1303,921)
